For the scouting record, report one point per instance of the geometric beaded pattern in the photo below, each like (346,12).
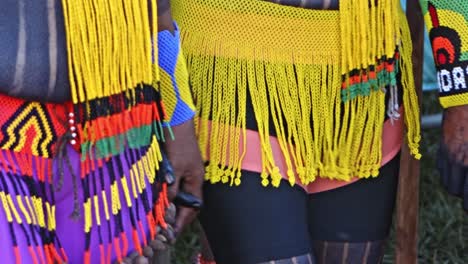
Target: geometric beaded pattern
(447,24)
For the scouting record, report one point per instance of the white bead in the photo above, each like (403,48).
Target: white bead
(71,115)
(73,135)
(73,142)
(72,128)
(71,121)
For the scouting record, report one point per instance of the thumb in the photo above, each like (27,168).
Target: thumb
(173,189)
(169,177)
(184,217)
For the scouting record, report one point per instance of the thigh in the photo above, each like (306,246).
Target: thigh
(358,212)
(251,223)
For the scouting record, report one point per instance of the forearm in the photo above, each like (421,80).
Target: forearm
(447,25)
(165,21)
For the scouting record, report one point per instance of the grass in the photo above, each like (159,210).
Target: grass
(187,246)
(443,226)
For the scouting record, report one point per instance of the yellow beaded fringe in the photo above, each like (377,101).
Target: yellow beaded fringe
(109,46)
(291,62)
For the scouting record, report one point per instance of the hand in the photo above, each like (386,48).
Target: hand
(453,154)
(455,133)
(186,161)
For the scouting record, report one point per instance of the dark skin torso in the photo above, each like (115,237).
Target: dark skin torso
(33,60)
(311,4)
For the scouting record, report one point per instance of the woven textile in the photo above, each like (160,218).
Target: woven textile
(115,122)
(298,66)
(174,78)
(447,23)
(33,137)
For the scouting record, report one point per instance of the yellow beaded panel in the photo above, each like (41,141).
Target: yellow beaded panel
(291,62)
(109,46)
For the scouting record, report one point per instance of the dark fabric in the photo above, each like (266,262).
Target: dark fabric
(348,253)
(251,224)
(32,82)
(358,212)
(254,224)
(304,259)
(454,176)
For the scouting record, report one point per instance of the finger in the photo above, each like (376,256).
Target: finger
(193,185)
(173,189)
(464,149)
(459,156)
(465,159)
(190,190)
(167,170)
(170,178)
(184,217)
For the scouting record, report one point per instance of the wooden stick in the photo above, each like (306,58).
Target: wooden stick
(406,249)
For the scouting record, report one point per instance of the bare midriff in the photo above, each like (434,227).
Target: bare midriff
(311,4)
(392,139)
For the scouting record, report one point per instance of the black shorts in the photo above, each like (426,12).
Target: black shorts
(252,224)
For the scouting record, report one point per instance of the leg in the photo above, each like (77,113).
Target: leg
(355,230)
(304,259)
(207,257)
(252,224)
(349,252)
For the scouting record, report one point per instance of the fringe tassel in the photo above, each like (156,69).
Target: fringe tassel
(33,206)
(92,29)
(410,98)
(27,193)
(369,30)
(322,132)
(341,132)
(118,109)
(143,164)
